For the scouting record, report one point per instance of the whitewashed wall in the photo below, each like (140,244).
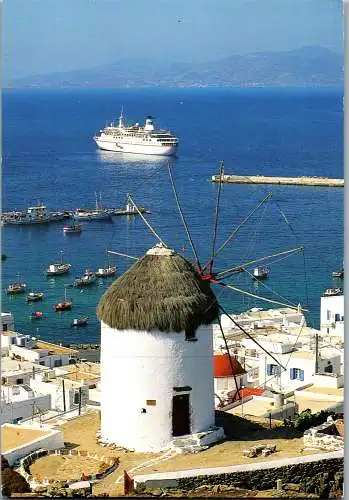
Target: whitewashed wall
(9,412)
(330,306)
(137,366)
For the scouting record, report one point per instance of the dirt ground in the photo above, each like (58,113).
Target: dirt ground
(64,467)
(81,432)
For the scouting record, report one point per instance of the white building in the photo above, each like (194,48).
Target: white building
(40,352)
(332,317)
(64,394)
(15,372)
(156,354)
(19,402)
(7,322)
(290,370)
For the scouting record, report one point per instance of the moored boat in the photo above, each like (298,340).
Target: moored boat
(338,274)
(74,229)
(261,272)
(330,292)
(58,268)
(79,322)
(104,272)
(88,278)
(15,288)
(82,214)
(64,305)
(98,213)
(35,296)
(37,214)
(36,315)
(137,139)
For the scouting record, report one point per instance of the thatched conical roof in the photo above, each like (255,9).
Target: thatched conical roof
(161,291)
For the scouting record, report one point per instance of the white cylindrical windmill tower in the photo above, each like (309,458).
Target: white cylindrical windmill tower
(156,353)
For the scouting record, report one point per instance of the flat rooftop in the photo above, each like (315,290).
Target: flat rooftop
(266,314)
(88,371)
(13,436)
(54,348)
(12,366)
(325,391)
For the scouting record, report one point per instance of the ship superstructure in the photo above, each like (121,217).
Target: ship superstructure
(137,138)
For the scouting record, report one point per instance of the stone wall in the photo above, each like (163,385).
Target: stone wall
(320,473)
(26,462)
(311,476)
(325,436)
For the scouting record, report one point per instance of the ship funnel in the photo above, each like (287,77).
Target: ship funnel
(149,124)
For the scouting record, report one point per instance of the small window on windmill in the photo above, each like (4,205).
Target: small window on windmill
(151,402)
(190,335)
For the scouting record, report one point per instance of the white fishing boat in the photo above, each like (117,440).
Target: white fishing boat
(88,278)
(104,272)
(137,138)
(98,213)
(35,296)
(330,292)
(58,268)
(261,272)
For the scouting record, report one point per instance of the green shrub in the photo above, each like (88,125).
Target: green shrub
(306,419)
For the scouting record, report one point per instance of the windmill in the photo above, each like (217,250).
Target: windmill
(208,270)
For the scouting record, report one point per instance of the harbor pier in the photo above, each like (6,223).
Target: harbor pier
(293,181)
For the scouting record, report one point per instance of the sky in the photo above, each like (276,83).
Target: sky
(45,36)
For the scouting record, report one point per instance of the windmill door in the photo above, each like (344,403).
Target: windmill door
(180,415)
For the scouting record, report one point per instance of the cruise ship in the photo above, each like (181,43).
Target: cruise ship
(136,138)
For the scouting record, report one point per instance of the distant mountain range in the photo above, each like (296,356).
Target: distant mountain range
(307,66)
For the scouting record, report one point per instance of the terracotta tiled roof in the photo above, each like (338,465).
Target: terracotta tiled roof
(223,368)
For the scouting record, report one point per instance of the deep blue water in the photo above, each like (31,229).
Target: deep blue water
(49,155)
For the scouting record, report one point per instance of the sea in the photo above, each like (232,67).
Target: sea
(49,156)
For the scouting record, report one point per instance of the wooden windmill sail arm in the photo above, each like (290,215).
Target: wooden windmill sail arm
(122,254)
(249,215)
(209,264)
(183,219)
(238,267)
(147,223)
(251,337)
(292,306)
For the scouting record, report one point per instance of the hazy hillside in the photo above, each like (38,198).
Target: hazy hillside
(306,66)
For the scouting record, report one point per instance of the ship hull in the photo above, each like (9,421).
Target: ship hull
(136,148)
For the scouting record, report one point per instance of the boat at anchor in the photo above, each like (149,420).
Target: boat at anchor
(15,288)
(64,305)
(74,229)
(137,138)
(58,268)
(98,213)
(104,272)
(261,273)
(79,322)
(35,296)
(87,279)
(37,214)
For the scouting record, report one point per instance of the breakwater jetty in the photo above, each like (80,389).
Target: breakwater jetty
(292,181)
